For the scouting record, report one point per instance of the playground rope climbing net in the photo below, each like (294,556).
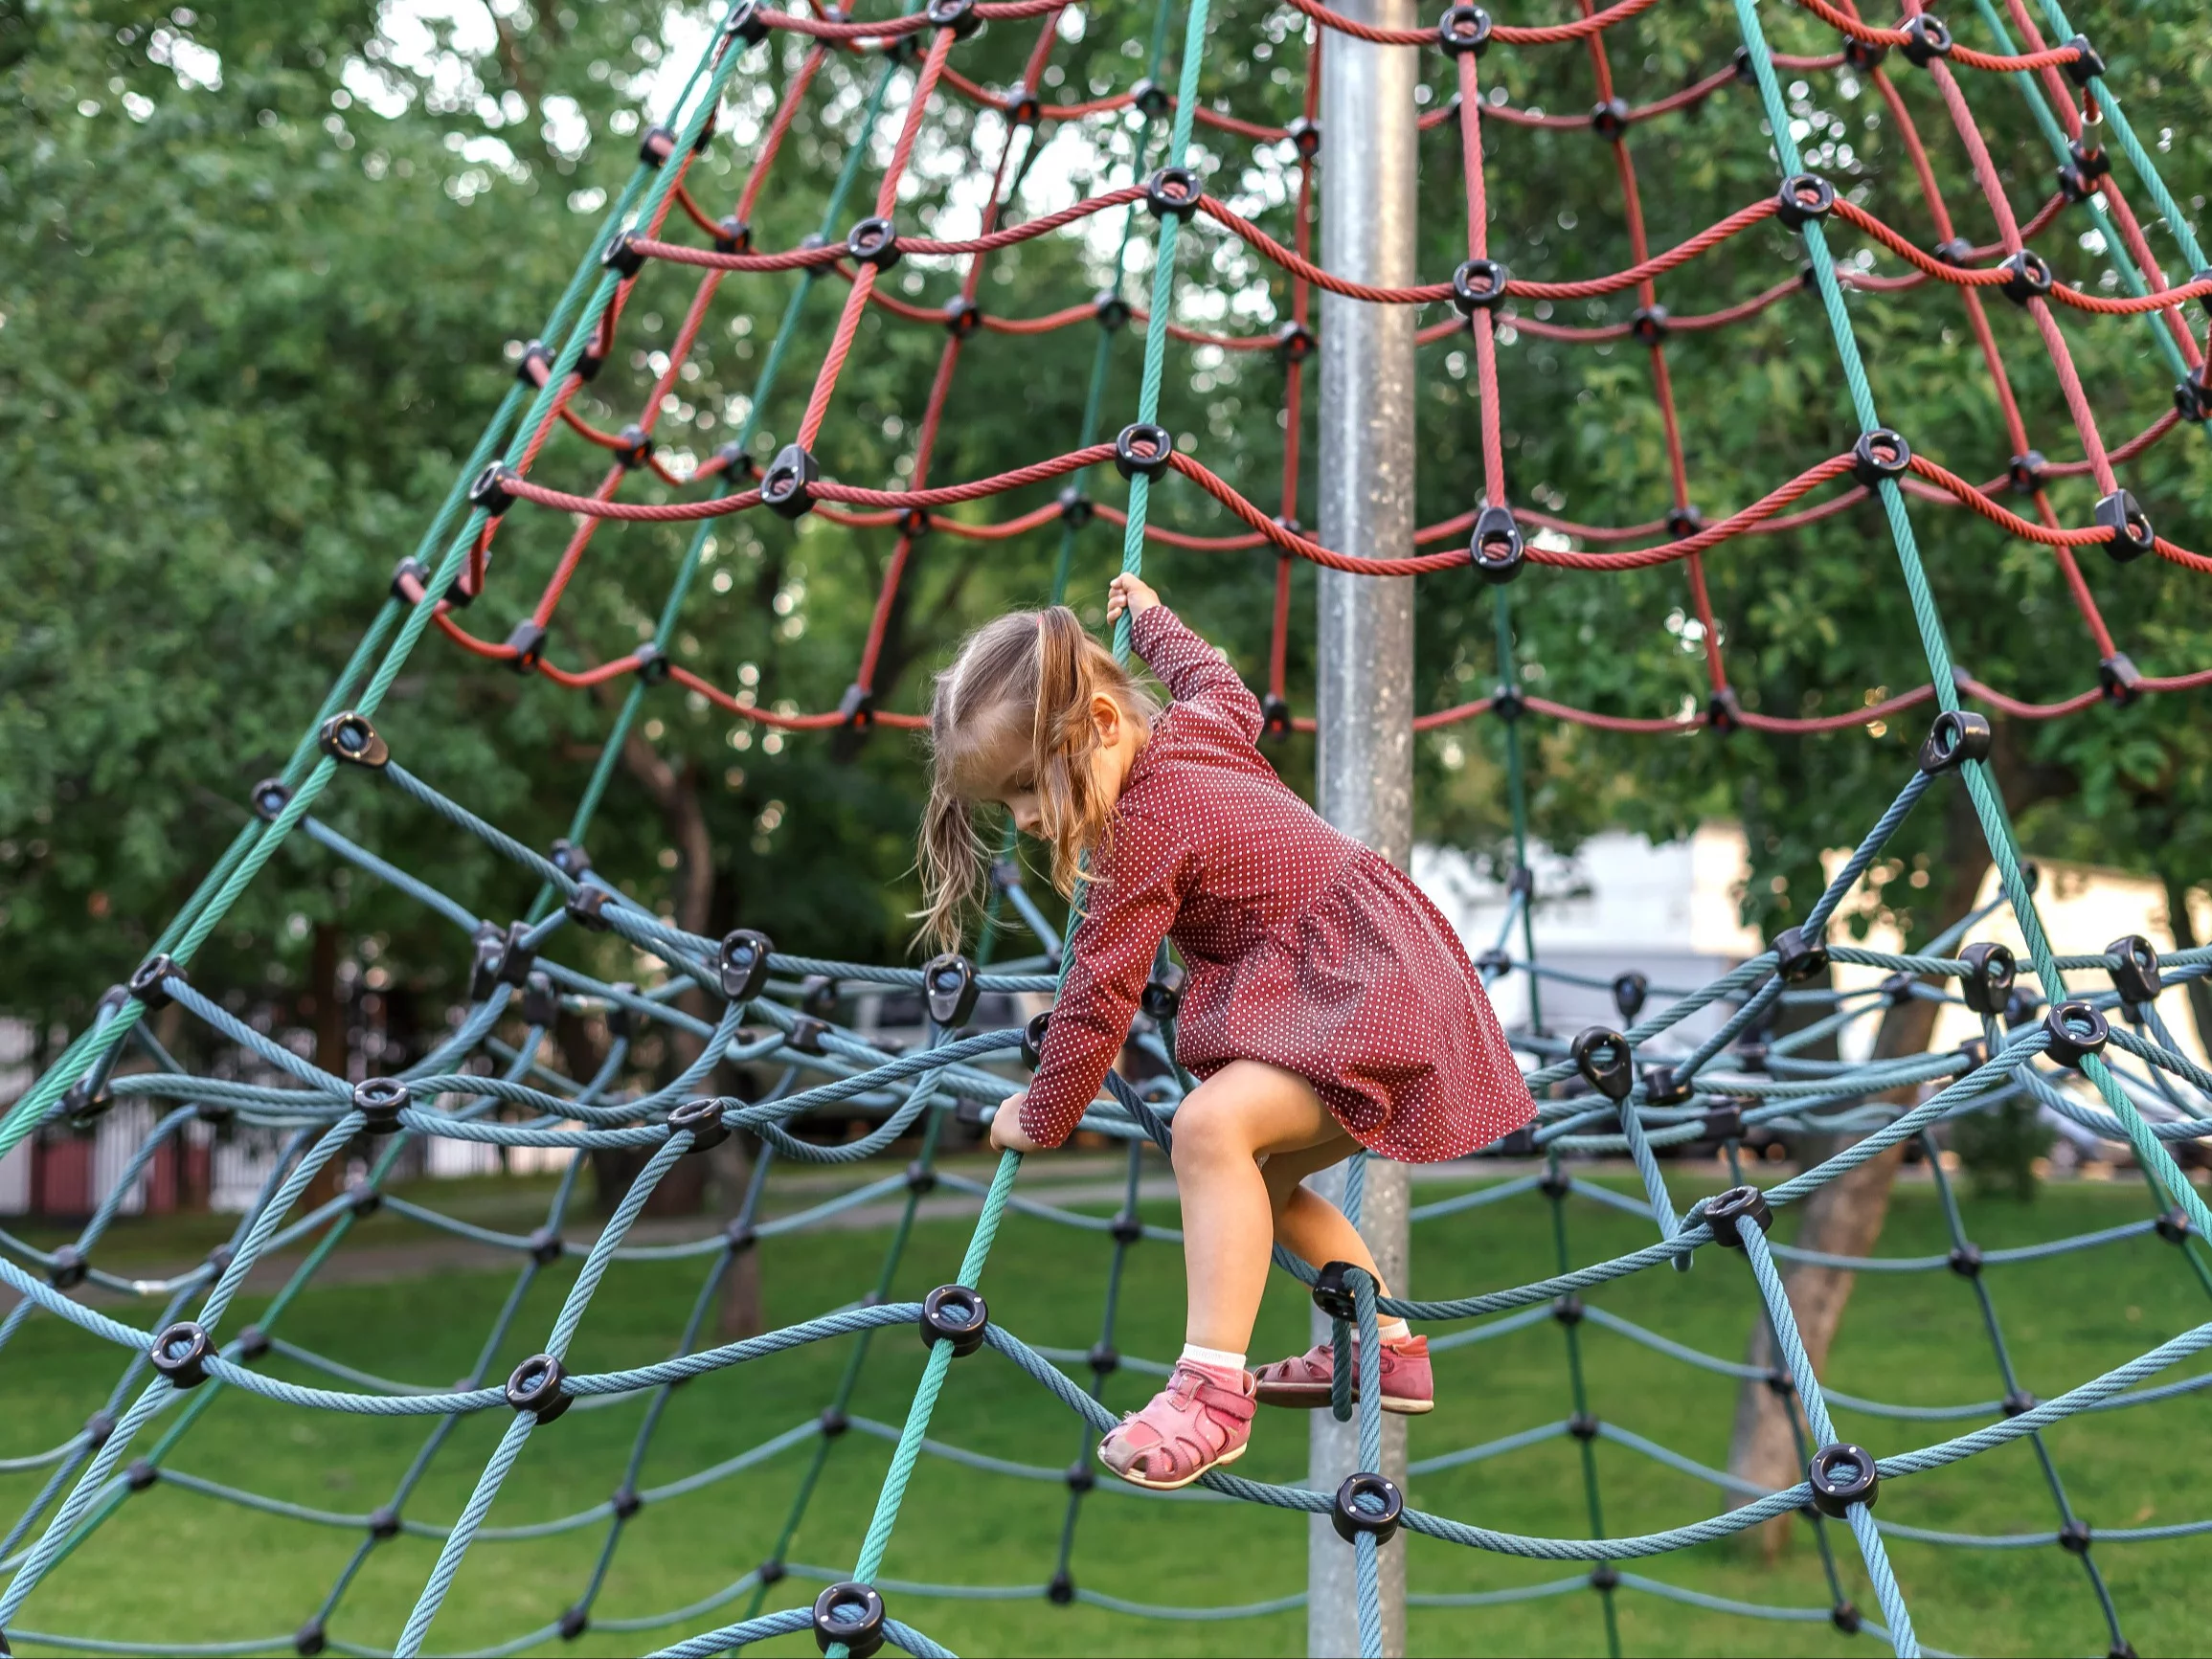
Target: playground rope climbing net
(1633,1092)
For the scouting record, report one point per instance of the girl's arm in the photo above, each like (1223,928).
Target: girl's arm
(1194,671)
(1128,912)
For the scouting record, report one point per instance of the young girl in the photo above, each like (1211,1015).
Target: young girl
(1328,1006)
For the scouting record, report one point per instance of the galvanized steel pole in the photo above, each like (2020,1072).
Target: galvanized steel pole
(1365,706)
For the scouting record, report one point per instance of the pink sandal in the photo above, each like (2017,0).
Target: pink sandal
(1408,1385)
(1202,1420)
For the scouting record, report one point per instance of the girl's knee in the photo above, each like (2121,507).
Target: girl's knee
(1209,1128)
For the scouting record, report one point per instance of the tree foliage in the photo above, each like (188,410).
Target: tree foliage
(270,266)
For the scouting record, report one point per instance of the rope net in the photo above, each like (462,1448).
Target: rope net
(2095,1051)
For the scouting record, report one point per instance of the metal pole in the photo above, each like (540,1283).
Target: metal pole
(1365,700)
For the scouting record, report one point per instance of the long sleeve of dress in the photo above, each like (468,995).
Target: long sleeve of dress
(1193,671)
(1129,906)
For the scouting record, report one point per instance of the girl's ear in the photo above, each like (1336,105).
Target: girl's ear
(1109,717)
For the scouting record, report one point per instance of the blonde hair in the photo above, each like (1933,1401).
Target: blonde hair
(1019,690)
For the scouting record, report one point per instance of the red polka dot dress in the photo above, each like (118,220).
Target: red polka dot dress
(1304,949)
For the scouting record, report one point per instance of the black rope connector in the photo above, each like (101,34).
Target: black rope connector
(1306,136)
(746,23)
(350,739)
(1332,1290)
(625,1502)
(834,1421)
(742,963)
(2171,1225)
(1173,191)
(633,447)
(1958,251)
(1496,549)
(1798,957)
(2137,978)
(1991,967)
(623,255)
(534,1386)
(1110,309)
(2086,66)
(851,1613)
(958,15)
(1125,1228)
(1724,1123)
(1567,1310)
(98,1429)
(702,1115)
(1463,29)
(740,1236)
(1955,738)
(1610,120)
(1582,1425)
(528,643)
(1780,1383)
(732,236)
(1926,39)
(68,1268)
(574,1622)
(1803,198)
(2091,161)
(1143,449)
(874,242)
(1865,55)
(181,1354)
(771,1572)
(1554,1183)
(1479,285)
(2027,275)
(1022,105)
(2132,535)
(535,365)
(269,798)
(383,1522)
(957,1315)
(1878,455)
(380,1100)
(1845,1618)
(949,988)
(1033,1039)
(1684,520)
(490,489)
(1295,342)
(1605,1576)
(920,1178)
(587,907)
(1607,1064)
(1061,1590)
(1104,1358)
(2074,1536)
(817,995)
(1079,1476)
(856,709)
(1973,1054)
(1666,1086)
(653,665)
(569,858)
(2018,1402)
(1965,1260)
(1367,1503)
(2192,397)
(962,316)
(1729,1214)
(1161,998)
(2026,473)
(86,1100)
(1648,324)
(2076,1031)
(143,1474)
(546,1247)
(145,984)
(363,1201)
(1150,99)
(1629,993)
(787,489)
(2119,679)
(659,143)
(1076,509)
(1842,1474)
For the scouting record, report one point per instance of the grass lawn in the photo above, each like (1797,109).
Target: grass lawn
(175,1567)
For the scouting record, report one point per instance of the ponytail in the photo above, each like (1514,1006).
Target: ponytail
(1018,699)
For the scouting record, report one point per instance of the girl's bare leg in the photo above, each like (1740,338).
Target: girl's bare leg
(1233,1209)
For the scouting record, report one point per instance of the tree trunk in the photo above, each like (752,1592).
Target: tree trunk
(1843,1218)
(2183,928)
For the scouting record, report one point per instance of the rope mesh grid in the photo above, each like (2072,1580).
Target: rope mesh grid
(2139,1091)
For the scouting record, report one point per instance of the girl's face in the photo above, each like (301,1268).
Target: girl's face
(1119,738)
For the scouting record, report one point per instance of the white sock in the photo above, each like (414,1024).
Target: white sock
(1393,1329)
(1218,1357)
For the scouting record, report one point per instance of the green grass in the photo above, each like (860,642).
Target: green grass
(173,1566)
